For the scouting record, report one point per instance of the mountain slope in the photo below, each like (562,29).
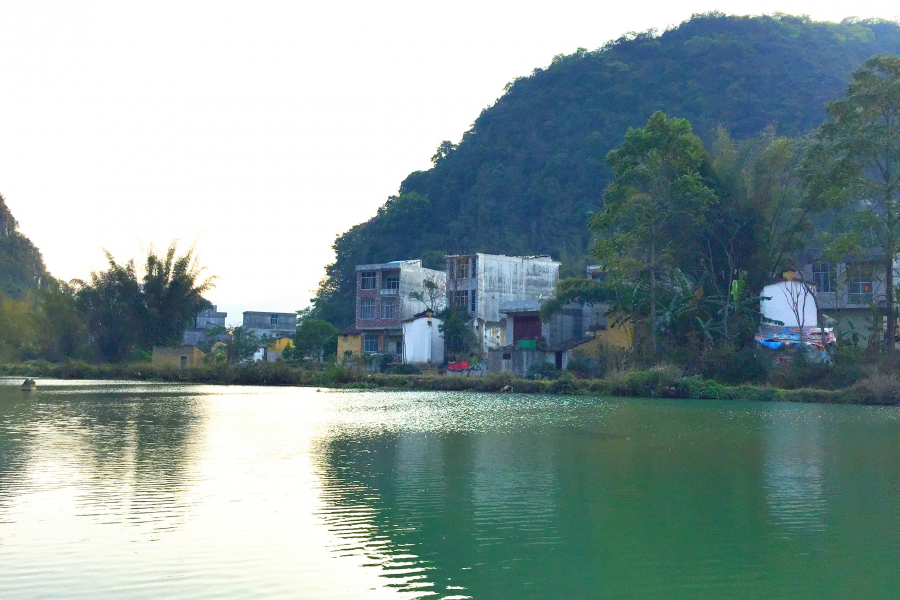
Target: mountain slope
(525,177)
(21,265)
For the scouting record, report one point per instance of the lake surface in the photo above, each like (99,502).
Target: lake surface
(125,490)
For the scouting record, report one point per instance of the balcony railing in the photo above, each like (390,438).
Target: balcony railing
(389,292)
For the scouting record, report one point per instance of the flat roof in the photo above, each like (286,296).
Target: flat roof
(394,264)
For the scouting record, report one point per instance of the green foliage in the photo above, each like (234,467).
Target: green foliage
(460,339)
(855,166)
(526,176)
(125,311)
(171,295)
(405,369)
(21,265)
(542,370)
(315,338)
(244,344)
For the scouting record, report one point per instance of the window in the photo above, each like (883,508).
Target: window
(370,342)
(390,283)
(273,319)
(823,277)
(472,301)
(367,280)
(399,348)
(474,267)
(859,284)
(367,309)
(459,268)
(461,298)
(388,309)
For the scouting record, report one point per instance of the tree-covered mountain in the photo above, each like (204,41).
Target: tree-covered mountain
(525,177)
(21,265)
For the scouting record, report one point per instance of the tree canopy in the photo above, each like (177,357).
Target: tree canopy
(526,176)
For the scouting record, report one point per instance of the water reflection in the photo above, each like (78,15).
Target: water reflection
(640,500)
(123,491)
(126,456)
(794,475)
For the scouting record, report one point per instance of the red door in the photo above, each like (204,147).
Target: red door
(526,328)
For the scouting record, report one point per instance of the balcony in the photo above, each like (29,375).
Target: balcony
(389,292)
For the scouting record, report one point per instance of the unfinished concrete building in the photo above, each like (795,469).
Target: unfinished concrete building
(383,302)
(482,282)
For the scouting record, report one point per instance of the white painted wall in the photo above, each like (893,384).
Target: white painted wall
(784,296)
(422,341)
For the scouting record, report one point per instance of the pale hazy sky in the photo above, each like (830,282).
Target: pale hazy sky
(263,129)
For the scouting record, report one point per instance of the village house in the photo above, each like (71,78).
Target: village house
(383,303)
(177,357)
(846,293)
(272,325)
(575,330)
(790,320)
(349,343)
(482,282)
(423,342)
(277,329)
(205,320)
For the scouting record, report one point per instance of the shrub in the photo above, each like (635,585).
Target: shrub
(542,370)
(725,364)
(405,369)
(564,384)
(497,381)
(874,389)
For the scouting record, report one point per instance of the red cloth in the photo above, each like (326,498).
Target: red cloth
(458,366)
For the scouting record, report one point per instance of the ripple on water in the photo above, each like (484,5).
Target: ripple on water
(144,491)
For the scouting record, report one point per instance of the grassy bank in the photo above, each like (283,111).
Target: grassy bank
(659,382)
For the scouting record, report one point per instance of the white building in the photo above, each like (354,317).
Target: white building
(423,341)
(790,302)
(482,282)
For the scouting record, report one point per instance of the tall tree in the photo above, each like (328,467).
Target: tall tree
(657,194)
(125,311)
(855,166)
(112,303)
(172,294)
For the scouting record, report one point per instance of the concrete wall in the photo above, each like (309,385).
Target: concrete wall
(785,297)
(412,276)
(850,322)
(210,318)
(423,341)
(260,323)
(500,280)
(177,357)
(515,360)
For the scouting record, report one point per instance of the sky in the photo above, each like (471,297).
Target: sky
(258,131)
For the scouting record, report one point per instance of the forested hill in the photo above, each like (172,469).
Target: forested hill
(21,265)
(525,176)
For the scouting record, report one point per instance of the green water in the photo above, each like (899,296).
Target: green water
(120,490)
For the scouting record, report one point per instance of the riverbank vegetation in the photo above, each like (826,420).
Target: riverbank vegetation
(663,381)
(118,315)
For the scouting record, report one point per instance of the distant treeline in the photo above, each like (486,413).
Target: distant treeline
(118,315)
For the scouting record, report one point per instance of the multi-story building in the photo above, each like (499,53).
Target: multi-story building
(383,302)
(204,321)
(482,282)
(272,325)
(846,292)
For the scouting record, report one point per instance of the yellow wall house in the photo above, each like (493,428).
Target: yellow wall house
(349,340)
(273,352)
(618,335)
(178,357)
